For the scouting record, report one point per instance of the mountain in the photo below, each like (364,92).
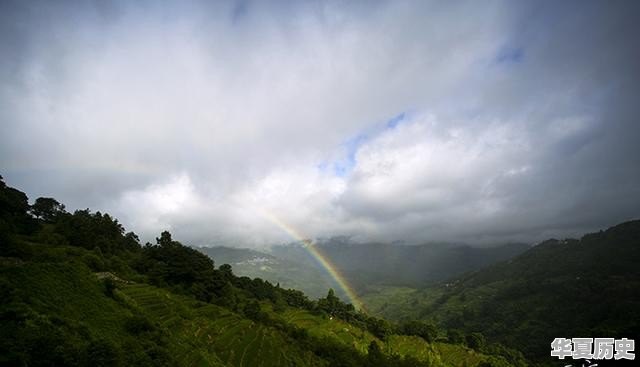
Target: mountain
(76,290)
(372,264)
(366,266)
(235,256)
(307,277)
(559,288)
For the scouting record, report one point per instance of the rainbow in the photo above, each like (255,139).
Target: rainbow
(320,257)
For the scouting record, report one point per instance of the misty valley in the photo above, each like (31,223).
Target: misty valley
(319,183)
(77,289)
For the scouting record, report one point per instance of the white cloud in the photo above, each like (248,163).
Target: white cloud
(150,209)
(433,172)
(197,117)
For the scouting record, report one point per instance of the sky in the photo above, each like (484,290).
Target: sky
(409,121)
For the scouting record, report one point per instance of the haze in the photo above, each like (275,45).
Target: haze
(388,121)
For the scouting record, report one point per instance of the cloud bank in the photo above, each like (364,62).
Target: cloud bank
(413,121)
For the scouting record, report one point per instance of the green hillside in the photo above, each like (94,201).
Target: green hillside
(305,276)
(76,290)
(366,266)
(206,334)
(558,288)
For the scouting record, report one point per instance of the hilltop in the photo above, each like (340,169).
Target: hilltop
(571,288)
(77,290)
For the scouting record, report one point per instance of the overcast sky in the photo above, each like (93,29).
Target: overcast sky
(418,121)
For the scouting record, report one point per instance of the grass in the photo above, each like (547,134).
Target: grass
(379,299)
(330,327)
(193,333)
(437,354)
(219,335)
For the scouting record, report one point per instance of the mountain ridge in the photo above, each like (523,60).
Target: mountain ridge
(363,265)
(77,290)
(573,287)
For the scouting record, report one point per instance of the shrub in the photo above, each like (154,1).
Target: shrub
(138,324)
(109,287)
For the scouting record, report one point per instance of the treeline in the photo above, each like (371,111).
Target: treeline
(171,264)
(105,246)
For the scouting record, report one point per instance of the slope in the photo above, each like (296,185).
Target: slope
(76,290)
(568,288)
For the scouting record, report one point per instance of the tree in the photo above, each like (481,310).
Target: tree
(422,329)
(331,304)
(279,304)
(131,241)
(138,324)
(475,341)
(227,296)
(102,352)
(109,287)
(378,327)
(455,336)
(165,239)
(375,357)
(252,311)
(88,230)
(47,209)
(14,207)
(226,272)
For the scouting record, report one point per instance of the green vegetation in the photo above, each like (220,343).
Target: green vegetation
(366,266)
(302,275)
(558,288)
(76,290)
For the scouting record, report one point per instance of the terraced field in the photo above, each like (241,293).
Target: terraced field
(207,335)
(334,328)
(437,354)
(453,355)
(414,346)
(200,334)
(360,339)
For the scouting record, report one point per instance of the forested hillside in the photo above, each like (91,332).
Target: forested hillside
(365,265)
(569,288)
(76,289)
(306,276)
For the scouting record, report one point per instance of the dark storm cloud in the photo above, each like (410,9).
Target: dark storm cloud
(519,120)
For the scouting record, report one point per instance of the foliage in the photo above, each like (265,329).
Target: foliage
(426,331)
(89,230)
(76,290)
(109,287)
(47,209)
(586,286)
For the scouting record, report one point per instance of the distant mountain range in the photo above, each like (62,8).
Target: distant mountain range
(517,295)
(309,278)
(560,288)
(364,265)
(76,289)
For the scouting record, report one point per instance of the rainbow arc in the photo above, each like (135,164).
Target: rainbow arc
(322,259)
